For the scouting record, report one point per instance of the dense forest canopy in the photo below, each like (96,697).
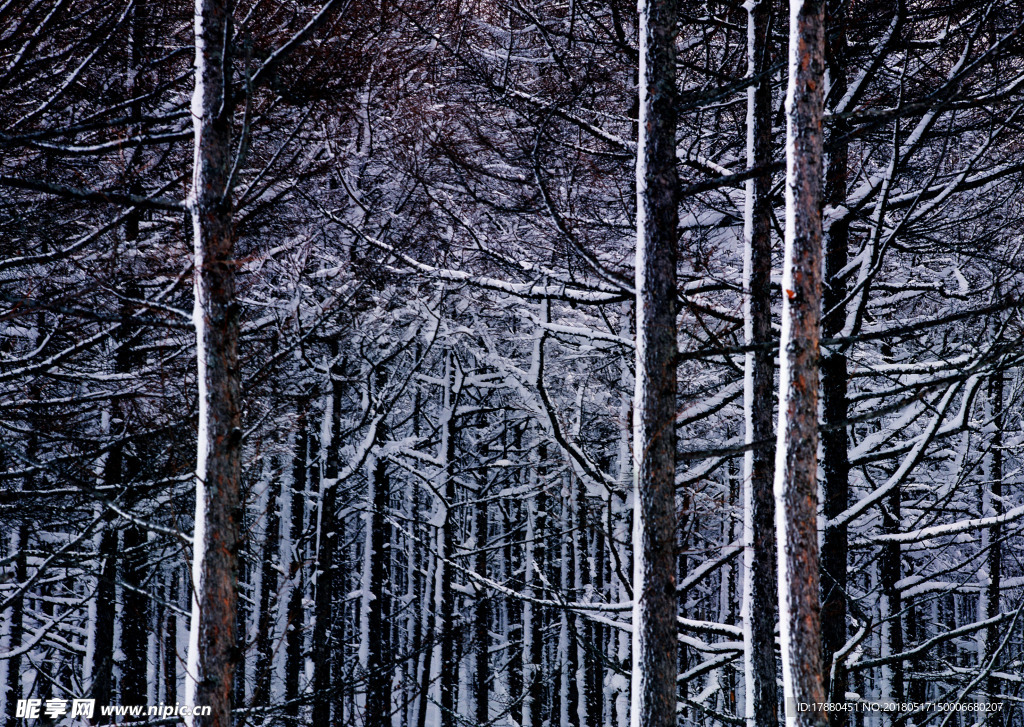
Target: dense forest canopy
(468,314)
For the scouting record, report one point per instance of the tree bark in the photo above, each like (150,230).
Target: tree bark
(296,574)
(759,587)
(890,571)
(269,565)
(170,641)
(325,631)
(796,463)
(18,543)
(134,618)
(653,700)
(834,437)
(378,663)
(446,535)
(995,542)
(213,647)
(482,615)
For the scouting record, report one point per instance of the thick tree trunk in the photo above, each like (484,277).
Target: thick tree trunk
(134,618)
(834,436)
(429,636)
(653,702)
(213,646)
(655,610)
(759,586)
(796,463)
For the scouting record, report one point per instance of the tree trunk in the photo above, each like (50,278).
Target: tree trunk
(995,544)
(482,615)
(325,631)
(653,702)
(537,683)
(16,630)
(296,590)
(269,565)
(446,535)
(103,650)
(170,641)
(834,436)
(796,463)
(890,572)
(378,663)
(595,645)
(134,618)
(759,587)
(516,608)
(213,646)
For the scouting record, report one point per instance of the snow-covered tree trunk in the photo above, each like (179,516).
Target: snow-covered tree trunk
(445,596)
(270,566)
(759,566)
(796,463)
(295,608)
(653,688)
(15,623)
(170,640)
(993,538)
(890,601)
(536,682)
(212,640)
(325,631)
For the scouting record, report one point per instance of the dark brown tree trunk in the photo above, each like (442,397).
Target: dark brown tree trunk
(379,658)
(428,654)
(134,618)
(760,593)
(515,623)
(213,645)
(170,650)
(890,571)
(294,661)
(482,616)
(915,633)
(449,668)
(655,609)
(796,485)
(834,436)
(106,611)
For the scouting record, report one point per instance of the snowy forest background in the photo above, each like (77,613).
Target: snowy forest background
(434,221)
